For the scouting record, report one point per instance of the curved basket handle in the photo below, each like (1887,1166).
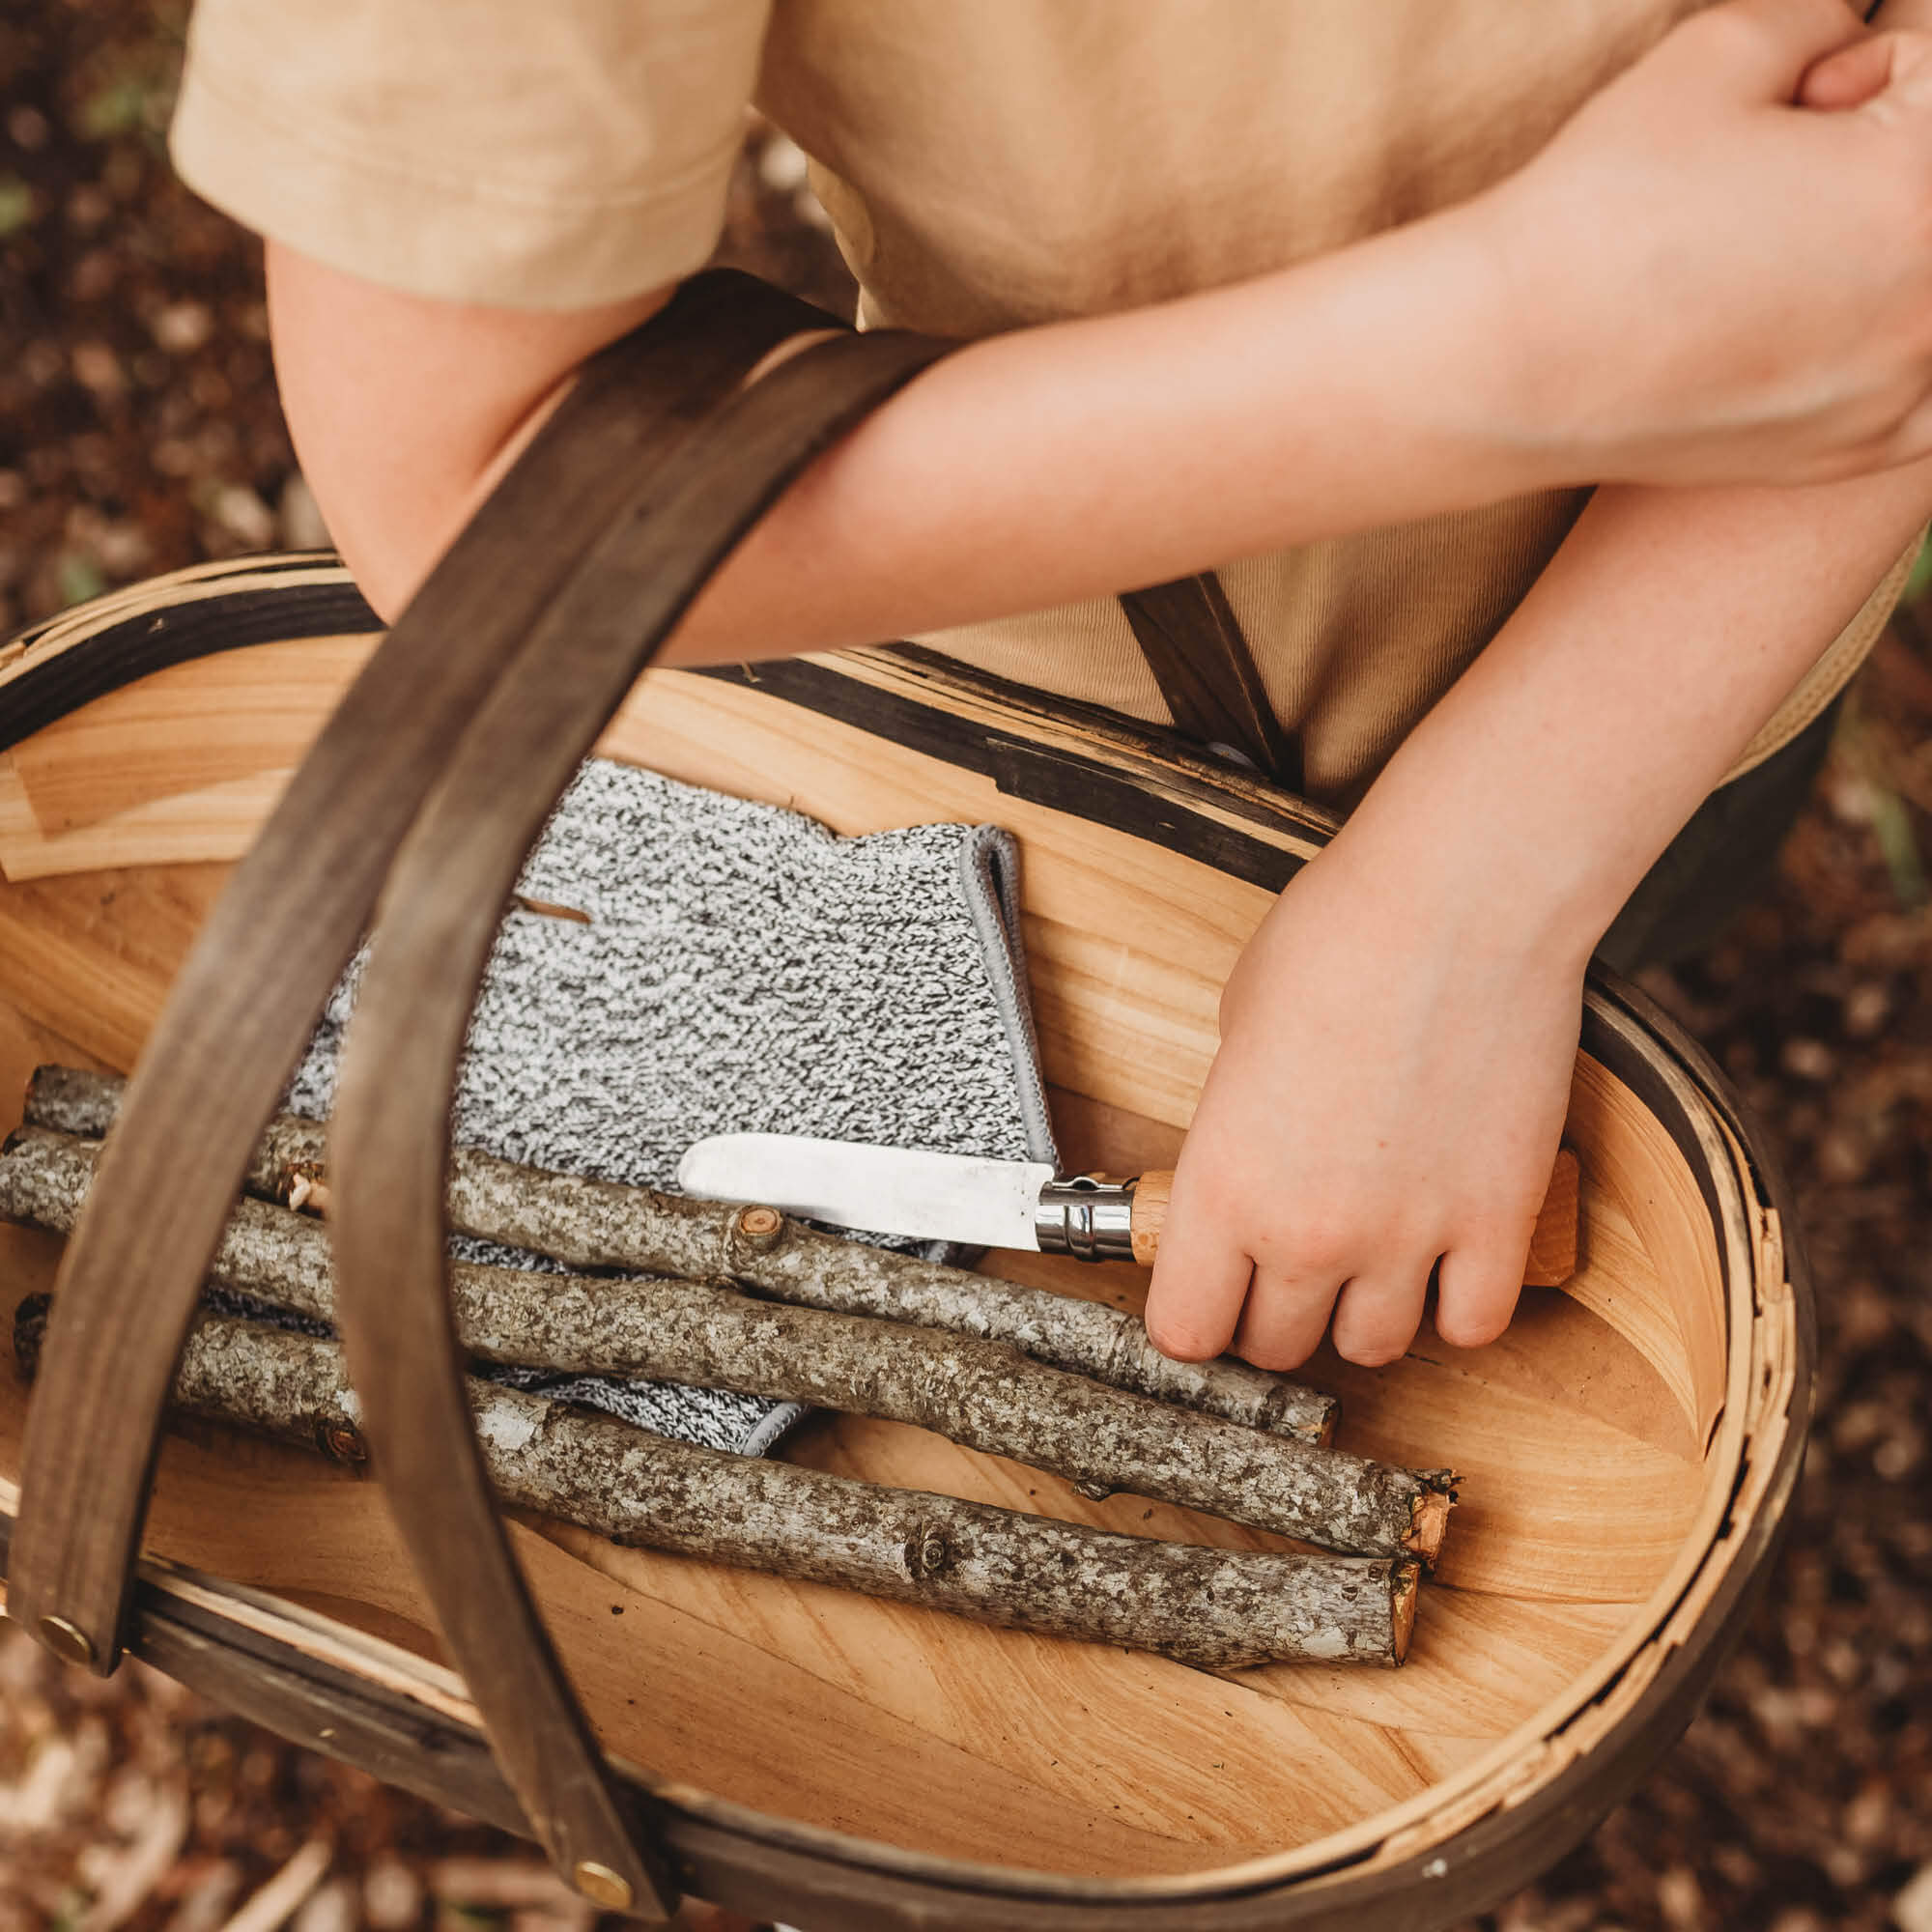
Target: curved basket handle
(256,980)
(389,1136)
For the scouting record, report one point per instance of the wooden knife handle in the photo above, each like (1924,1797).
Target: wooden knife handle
(1552,1245)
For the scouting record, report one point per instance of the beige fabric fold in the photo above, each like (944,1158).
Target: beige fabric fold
(986,166)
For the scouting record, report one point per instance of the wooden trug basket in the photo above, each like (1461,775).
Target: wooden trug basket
(1629,1449)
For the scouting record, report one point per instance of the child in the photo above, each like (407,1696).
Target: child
(1361,298)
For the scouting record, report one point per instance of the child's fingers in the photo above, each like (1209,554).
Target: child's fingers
(1283,1323)
(1376,1317)
(1476,1292)
(1194,1300)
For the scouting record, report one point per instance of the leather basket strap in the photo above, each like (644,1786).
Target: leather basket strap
(389,1137)
(1194,645)
(250,991)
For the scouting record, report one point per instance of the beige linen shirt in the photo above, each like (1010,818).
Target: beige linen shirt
(987,164)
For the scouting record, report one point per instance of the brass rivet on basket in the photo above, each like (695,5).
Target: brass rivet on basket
(602,1886)
(67,1641)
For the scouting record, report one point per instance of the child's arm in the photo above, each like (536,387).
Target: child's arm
(1694,282)
(1398,1038)
(1534,336)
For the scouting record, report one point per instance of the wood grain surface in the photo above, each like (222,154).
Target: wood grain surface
(1602,1438)
(1572,1508)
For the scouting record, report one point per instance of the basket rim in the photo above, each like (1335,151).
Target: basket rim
(1044,748)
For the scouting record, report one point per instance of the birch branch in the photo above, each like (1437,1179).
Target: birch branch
(600,1224)
(1214,1608)
(987,1395)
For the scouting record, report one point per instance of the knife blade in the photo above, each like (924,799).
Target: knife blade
(939,1197)
(1003,1203)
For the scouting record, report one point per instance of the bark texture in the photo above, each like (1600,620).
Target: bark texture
(985,1393)
(599,1224)
(1214,1608)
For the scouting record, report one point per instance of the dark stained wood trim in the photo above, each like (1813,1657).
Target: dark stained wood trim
(150,641)
(1049,776)
(648,409)
(314,1703)
(768,1868)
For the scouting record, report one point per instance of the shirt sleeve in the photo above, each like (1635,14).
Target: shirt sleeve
(544,156)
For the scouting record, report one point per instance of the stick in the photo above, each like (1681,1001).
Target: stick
(1216,1609)
(599,1224)
(275,1903)
(984,1394)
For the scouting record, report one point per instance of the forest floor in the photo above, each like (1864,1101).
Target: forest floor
(139,432)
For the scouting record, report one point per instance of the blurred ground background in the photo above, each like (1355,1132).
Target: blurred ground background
(139,432)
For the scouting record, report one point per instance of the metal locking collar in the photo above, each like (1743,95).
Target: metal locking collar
(1089,1215)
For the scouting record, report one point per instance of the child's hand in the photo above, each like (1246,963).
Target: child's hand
(1388,1096)
(1710,282)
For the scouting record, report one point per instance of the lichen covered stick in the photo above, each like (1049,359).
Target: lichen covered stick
(599,1224)
(1217,1609)
(985,1393)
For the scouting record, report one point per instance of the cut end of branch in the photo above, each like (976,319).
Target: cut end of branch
(1430,1522)
(1404,1589)
(304,1189)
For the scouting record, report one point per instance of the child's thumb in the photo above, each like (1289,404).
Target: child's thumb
(1765,48)
(1897,62)
(1851,76)
(1854,75)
